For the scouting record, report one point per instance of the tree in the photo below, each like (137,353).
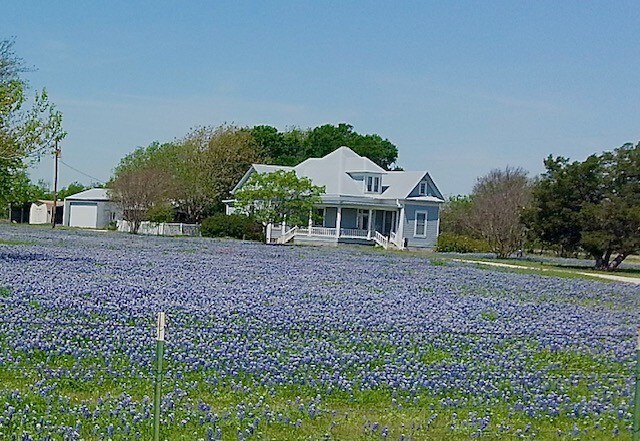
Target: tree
(21,190)
(554,216)
(137,191)
(276,147)
(25,132)
(294,145)
(324,139)
(207,164)
(611,225)
(277,197)
(593,205)
(498,201)
(142,184)
(197,171)
(70,190)
(454,216)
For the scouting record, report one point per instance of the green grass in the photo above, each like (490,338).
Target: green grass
(561,270)
(342,414)
(539,269)
(16,242)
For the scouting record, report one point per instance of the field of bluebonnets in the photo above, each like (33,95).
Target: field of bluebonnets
(285,342)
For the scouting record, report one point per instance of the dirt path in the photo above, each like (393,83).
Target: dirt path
(626,279)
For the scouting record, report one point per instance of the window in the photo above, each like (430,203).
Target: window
(422,188)
(372,184)
(421,224)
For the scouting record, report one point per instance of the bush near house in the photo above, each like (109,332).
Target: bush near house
(235,225)
(458,243)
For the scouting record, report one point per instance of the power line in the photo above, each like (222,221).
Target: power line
(99,181)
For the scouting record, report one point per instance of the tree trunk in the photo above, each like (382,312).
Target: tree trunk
(616,262)
(602,260)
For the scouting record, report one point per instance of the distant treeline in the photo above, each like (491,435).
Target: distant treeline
(590,207)
(188,179)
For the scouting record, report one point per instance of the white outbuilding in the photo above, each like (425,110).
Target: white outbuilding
(91,208)
(40,212)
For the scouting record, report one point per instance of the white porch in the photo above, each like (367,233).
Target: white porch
(333,225)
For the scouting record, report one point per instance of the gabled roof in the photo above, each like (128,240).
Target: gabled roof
(332,171)
(338,171)
(93,194)
(402,183)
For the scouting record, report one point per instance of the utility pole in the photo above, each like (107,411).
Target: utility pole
(55,185)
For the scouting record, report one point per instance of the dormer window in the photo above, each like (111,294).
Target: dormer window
(422,189)
(372,184)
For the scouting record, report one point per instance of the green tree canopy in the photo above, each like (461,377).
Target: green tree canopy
(454,215)
(558,197)
(294,146)
(26,132)
(198,171)
(592,204)
(278,197)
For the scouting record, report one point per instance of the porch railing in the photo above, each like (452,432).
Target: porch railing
(381,240)
(355,233)
(323,231)
(349,233)
(287,236)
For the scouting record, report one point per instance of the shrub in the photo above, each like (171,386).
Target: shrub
(234,225)
(457,243)
(160,213)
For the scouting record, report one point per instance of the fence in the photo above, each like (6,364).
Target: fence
(161,229)
(188,405)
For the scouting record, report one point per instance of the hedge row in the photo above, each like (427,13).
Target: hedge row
(234,225)
(457,243)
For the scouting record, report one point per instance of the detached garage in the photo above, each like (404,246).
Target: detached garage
(89,209)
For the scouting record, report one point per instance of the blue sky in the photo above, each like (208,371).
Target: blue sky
(460,87)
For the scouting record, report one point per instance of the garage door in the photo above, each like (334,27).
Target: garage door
(83,214)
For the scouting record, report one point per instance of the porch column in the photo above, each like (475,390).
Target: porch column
(284,225)
(310,222)
(338,221)
(269,226)
(369,224)
(400,233)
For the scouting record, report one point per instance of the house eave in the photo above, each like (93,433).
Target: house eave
(425,199)
(335,199)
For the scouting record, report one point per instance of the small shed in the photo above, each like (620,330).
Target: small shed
(40,212)
(91,208)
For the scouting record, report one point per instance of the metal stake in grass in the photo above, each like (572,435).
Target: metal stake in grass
(158,391)
(636,404)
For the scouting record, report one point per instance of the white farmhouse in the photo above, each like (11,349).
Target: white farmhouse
(363,203)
